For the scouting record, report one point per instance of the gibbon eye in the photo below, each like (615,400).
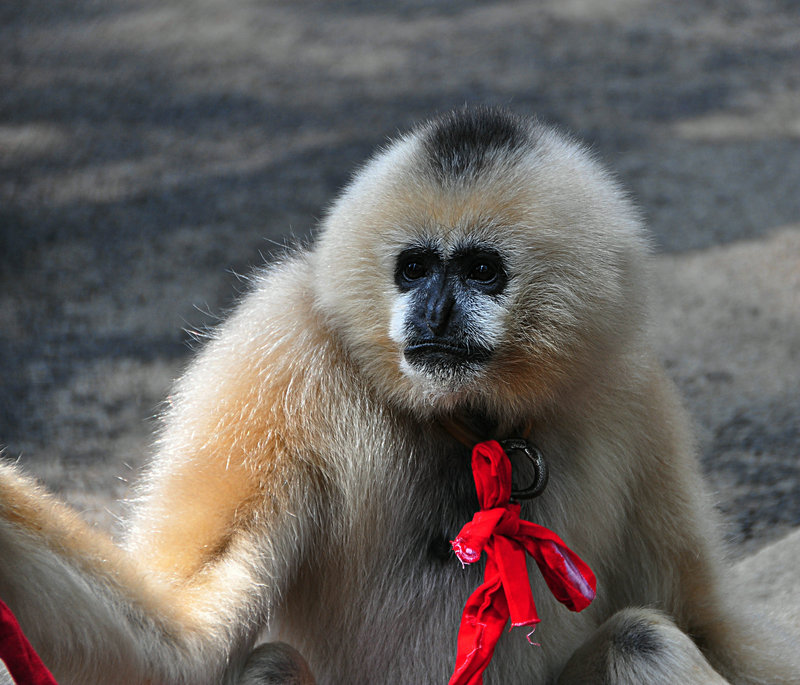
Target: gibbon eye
(413,265)
(413,269)
(483,272)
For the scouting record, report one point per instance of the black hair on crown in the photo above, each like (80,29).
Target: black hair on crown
(461,143)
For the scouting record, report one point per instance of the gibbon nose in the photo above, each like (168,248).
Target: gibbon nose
(438,310)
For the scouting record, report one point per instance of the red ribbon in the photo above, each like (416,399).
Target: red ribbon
(16,653)
(506,592)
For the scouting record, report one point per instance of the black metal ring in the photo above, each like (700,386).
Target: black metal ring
(534,456)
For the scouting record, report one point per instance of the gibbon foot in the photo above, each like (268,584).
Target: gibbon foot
(276,663)
(638,646)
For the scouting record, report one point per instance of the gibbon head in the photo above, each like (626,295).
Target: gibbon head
(481,262)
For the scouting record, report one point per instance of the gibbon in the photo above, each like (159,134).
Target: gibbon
(482,277)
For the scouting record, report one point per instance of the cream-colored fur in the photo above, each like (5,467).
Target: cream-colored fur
(303,479)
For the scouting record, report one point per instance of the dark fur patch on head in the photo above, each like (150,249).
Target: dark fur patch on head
(460,144)
(638,639)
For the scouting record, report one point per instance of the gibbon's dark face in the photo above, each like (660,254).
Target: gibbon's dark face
(442,297)
(449,310)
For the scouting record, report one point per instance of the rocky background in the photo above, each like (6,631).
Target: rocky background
(152,151)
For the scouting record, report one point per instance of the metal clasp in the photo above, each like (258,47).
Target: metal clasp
(535,457)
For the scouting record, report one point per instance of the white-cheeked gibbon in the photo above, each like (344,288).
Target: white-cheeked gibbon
(480,276)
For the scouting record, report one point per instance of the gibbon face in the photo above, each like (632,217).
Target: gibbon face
(480,262)
(447,309)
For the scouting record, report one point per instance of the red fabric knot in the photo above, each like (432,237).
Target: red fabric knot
(506,592)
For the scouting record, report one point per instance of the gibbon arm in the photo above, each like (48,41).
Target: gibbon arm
(217,535)
(96,614)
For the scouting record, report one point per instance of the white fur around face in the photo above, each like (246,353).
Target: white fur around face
(485,320)
(398,332)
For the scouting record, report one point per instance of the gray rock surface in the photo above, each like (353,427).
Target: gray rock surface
(150,151)
(728,326)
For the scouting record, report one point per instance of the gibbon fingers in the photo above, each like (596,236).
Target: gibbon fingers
(484,269)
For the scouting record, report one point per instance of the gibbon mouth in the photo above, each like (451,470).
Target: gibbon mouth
(432,352)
